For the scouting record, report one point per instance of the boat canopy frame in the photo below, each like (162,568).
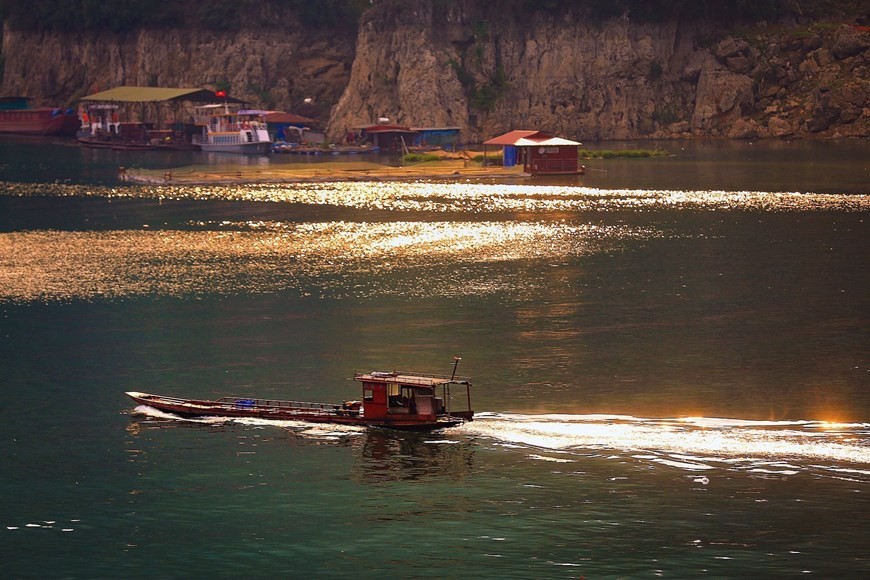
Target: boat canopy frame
(422,380)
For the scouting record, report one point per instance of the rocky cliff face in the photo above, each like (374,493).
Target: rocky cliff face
(483,68)
(479,67)
(270,68)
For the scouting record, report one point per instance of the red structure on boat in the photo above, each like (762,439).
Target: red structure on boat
(539,152)
(394,399)
(18,118)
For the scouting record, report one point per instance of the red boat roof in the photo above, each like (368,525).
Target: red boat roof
(408,378)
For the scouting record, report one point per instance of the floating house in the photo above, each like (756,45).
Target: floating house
(540,153)
(107,116)
(292,128)
(384,135)
(443,137)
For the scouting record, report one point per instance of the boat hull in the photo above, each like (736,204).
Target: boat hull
(257,148)
(244,407)
(44,122)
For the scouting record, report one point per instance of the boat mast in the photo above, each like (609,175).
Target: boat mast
(456,360)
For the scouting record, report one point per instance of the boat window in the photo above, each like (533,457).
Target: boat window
(367,394)
(397,401)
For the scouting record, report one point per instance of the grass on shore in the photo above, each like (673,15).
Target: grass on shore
(420,157)
(495,157)
(623,153)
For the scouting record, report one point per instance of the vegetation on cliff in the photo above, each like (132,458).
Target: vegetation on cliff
(714,10)
(125,15)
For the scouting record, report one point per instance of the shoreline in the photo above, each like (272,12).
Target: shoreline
(234,174)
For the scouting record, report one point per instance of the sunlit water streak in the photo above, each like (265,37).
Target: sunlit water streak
(257,257)
(697,444)
(460,197)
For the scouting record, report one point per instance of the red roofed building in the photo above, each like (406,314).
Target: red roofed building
(289,119)
(384,135)
(539,152)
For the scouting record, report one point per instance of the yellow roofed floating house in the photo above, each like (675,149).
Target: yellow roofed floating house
(130,117)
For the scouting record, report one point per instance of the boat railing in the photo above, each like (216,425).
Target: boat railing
(226,122)
(235,127)
(224,139)
(243,402)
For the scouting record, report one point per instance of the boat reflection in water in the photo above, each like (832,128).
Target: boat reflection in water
(381,455)
(385,456)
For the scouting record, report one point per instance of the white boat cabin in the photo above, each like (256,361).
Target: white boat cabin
(236,131)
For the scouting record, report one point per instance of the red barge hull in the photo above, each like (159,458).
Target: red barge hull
(44,122)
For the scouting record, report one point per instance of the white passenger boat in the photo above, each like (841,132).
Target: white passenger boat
(228,131)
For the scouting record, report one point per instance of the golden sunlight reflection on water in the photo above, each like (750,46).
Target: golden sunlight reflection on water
(461,197)
(234,257)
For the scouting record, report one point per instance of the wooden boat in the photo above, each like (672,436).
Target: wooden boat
(396,400)
(227,131)
(18,118)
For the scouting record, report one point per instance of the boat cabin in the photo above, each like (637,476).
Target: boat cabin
(403,396)
(231,130)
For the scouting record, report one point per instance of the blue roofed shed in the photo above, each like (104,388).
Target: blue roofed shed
(444,137)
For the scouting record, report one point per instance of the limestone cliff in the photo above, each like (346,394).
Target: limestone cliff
(271,67)
(488,67)
(480,67)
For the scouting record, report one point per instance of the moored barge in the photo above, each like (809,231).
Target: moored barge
(17,117)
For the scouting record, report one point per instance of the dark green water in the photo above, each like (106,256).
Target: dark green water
(670,364)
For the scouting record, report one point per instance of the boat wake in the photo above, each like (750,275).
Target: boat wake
(319,430)
(695,444)
(691,444)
